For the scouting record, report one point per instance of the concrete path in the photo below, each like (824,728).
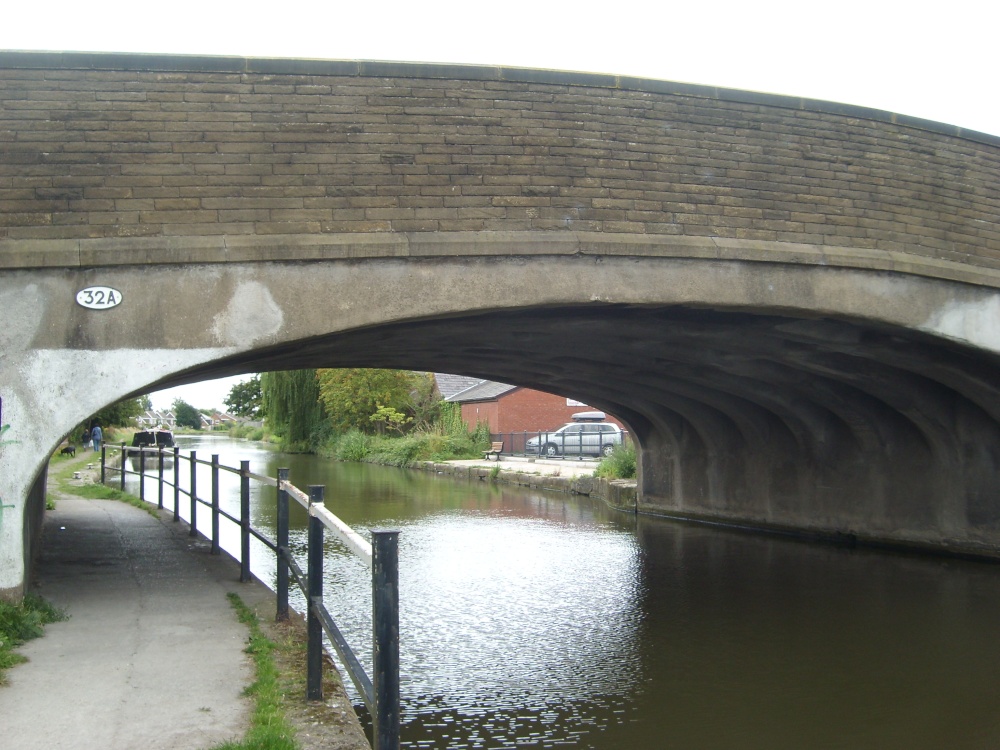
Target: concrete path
(152,655)
(546,467)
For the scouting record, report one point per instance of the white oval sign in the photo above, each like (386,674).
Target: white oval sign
(98,297)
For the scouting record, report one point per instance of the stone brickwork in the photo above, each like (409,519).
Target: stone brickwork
(117,146)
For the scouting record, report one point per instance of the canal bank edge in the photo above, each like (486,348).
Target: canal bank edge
(620,494)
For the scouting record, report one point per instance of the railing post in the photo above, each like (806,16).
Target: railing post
(124,459)
(159,476)
(215,504)
(282,543)
(314,627)
(104,461)
(194,494)
(177,483)
(142,473)
(385,624)
(244,521)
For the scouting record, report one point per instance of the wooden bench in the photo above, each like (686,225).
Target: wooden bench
(495,450)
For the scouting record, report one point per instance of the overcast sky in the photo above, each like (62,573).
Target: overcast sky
(936,61)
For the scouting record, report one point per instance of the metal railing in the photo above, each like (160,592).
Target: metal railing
(380,692)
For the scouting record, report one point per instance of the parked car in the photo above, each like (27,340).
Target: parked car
(577,439)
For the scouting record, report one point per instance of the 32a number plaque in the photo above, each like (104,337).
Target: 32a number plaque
(98,297)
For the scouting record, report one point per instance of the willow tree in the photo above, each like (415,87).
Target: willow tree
(292,408)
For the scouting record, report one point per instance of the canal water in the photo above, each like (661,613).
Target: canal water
(543,620)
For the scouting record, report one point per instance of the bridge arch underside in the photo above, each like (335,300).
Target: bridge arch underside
(749,415)
(833,400)
(753,418)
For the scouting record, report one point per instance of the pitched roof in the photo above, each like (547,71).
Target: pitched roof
(449,385)
(484,390)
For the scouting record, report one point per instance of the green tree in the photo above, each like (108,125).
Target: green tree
(245,399)
(121,414)
(187,415)
(352,396)
(427,406)
(388,418)
(291,406)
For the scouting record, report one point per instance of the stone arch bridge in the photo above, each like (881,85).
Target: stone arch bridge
(794,305)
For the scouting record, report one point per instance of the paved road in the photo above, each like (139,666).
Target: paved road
(152,655)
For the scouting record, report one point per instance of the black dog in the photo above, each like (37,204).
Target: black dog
(69,450)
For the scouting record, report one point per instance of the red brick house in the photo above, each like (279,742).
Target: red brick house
(510,408)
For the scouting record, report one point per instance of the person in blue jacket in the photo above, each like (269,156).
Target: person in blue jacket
(95,435)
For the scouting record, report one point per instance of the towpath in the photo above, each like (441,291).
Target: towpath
(152,653)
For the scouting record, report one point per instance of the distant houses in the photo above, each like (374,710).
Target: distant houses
(154,418)
(219,419)
(508,408)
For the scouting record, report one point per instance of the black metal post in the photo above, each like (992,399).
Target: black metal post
(177,483)
(385,651)
(215,504)
(124,459)
(159,476)
(104,461)
(194,494)
(314,626)
(244,521)
(282,543)
(142,473)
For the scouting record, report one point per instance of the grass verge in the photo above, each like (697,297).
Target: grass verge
(20,623)
(60,474)
(103,492)
(621,464)
(269,730)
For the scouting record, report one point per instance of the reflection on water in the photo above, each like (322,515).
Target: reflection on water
(542,620)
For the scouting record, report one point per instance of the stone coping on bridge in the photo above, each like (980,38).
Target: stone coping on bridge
(142,251)
(391,69)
